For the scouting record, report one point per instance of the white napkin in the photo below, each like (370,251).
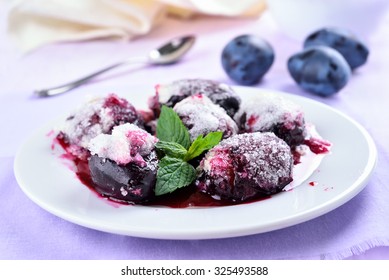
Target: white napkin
(33,23)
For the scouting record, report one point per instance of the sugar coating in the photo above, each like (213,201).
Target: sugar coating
(88,121)
(261,160)
(127,143)
(261,112)
(98,116)
(192,86)
(202,116)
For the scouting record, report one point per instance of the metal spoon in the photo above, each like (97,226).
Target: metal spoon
(168,53)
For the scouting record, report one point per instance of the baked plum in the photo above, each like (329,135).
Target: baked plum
(246,166)
(201,116)
(98,116)
(124,164)
(267,112)
(170,94)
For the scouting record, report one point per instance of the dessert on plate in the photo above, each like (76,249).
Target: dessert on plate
(118,156)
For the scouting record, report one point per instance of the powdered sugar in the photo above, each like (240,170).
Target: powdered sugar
(202,116)
(263,111)
(127,143)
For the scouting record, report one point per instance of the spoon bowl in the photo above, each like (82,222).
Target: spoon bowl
(172,51)
(169,53)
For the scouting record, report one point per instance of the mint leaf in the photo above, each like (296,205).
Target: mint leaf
(202,144)
(171,129)
(171,149)
(173,173)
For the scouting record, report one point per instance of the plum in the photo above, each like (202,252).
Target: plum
(172,93)
(344,41)
(123,165)
(99,115)
(320,70)
(267,112)
(247,58)
(201,116)
(246,166)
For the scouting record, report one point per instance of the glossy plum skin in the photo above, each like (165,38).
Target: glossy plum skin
(247,58)
(347,44)
(130,183)
(319,70)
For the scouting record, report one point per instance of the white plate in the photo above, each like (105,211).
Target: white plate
(340,176)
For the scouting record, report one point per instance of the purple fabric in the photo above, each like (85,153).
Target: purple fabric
(28,232)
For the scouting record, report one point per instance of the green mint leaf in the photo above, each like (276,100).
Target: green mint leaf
(172,174)
(171,149)
(171,129)
(202,144)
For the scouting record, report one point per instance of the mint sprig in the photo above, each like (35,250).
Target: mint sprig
(174,171)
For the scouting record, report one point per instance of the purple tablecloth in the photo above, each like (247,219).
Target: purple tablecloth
(29,232)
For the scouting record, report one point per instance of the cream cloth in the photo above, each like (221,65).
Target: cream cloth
(216,7)
(33,23)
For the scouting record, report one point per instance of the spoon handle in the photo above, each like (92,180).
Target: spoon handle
(69,86)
